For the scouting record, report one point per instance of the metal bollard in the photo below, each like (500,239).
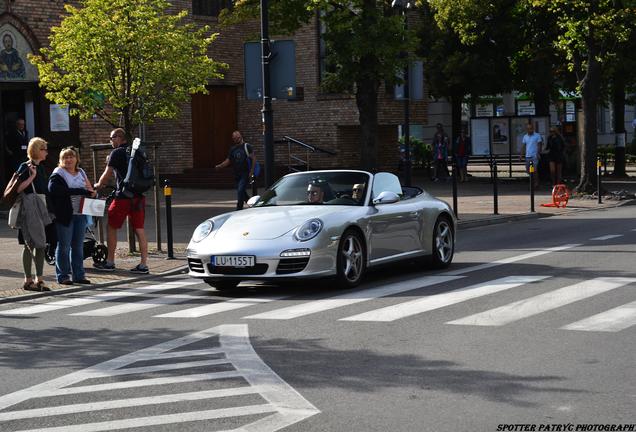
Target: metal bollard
(167,192)
(454,168)
(532,174)
(598,180)
(495,186)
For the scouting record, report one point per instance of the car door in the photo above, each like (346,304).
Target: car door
(393,227)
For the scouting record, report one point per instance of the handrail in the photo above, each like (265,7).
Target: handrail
(307,146)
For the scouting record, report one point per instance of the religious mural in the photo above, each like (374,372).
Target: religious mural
(14,65)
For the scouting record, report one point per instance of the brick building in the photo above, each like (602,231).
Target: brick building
(200,137)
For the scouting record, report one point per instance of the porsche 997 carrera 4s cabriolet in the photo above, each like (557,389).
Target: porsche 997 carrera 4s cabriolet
(318,224)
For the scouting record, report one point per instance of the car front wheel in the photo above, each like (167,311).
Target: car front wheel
(351,262)
(443,243)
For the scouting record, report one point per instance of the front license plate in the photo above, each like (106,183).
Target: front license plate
(233,260)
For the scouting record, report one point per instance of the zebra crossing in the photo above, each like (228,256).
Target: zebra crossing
(147,298)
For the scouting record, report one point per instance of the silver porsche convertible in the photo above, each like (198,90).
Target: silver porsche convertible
(317,224)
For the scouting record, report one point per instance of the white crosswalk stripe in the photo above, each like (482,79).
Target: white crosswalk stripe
(606,237)
(143,305)
(613,320)
(347,299)
(219,307)
(544,302)
(429,303)
(97,298)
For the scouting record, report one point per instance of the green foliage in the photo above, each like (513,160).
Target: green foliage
(126,61)
(421,152)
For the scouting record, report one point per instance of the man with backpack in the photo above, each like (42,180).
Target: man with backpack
(243,161)
(125,204)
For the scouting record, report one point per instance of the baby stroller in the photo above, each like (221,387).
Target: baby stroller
(92,248)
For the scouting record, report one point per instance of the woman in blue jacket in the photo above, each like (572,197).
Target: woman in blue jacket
(67,185)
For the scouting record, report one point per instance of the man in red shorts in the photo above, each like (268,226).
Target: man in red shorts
(122,207)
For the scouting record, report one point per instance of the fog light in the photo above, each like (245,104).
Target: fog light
(295,253)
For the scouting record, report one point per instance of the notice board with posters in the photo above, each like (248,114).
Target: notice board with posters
(480,136)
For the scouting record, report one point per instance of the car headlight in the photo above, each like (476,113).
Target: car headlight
(202,231)
(308,230)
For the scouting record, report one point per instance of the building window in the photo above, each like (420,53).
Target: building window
(210,7)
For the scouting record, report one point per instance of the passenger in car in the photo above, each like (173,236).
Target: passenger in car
(358,192)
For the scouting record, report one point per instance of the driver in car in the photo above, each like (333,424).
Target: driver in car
(315,193)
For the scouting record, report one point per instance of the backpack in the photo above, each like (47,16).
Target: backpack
(257,167)
(140,176)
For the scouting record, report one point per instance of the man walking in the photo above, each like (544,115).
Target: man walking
(122,207)
(531,147)
(17,142)
(243,171)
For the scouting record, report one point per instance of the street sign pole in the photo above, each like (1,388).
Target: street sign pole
(267,114)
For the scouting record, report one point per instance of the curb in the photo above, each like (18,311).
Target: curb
(89,287)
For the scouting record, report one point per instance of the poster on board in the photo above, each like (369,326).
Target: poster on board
(518,129)
(480,136)
(500,136)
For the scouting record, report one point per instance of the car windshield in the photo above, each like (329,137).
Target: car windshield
(318,188)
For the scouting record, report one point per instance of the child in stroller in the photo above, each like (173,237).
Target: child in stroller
(98,252)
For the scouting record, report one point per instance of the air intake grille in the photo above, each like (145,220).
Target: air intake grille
(291,265)
(196,265)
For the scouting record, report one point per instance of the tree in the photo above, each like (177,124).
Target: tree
(590,33)
(364,42)
(126,61)
(457,64)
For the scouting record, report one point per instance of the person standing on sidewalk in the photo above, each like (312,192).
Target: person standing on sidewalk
(67,185)
(440,153)
(17,141)
(32,233)
(531,148)
(243,172)
(556,148)
(461,150)
(122,207)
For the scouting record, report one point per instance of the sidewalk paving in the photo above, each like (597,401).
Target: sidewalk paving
(191,206)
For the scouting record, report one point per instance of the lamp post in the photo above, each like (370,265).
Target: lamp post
(403,6)
(267,114)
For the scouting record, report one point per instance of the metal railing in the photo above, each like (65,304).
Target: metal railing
(296,162)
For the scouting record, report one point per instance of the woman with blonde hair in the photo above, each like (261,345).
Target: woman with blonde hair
(33,217)
(67,185)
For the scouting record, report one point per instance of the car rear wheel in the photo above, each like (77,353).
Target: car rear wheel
(351,263)
(222,285)
(443,243)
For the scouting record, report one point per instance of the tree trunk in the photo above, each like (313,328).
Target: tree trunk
(456,115)
(542,101)
(367,101)
(618,102)
(590,91)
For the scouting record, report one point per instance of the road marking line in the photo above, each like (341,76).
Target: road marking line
(544,302)
(351,298)
(437,301)
(147,382)
(219,307)
(161,419)
(142,305)
(286,404)
(107,296)
(124,403)
(511,259)
(613,320)
(606,237)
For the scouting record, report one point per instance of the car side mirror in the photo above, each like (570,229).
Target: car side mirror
(386,197)
(253,200)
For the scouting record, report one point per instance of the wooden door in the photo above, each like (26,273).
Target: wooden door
(214,118)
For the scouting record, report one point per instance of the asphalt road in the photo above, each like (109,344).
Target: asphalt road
(534,324)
